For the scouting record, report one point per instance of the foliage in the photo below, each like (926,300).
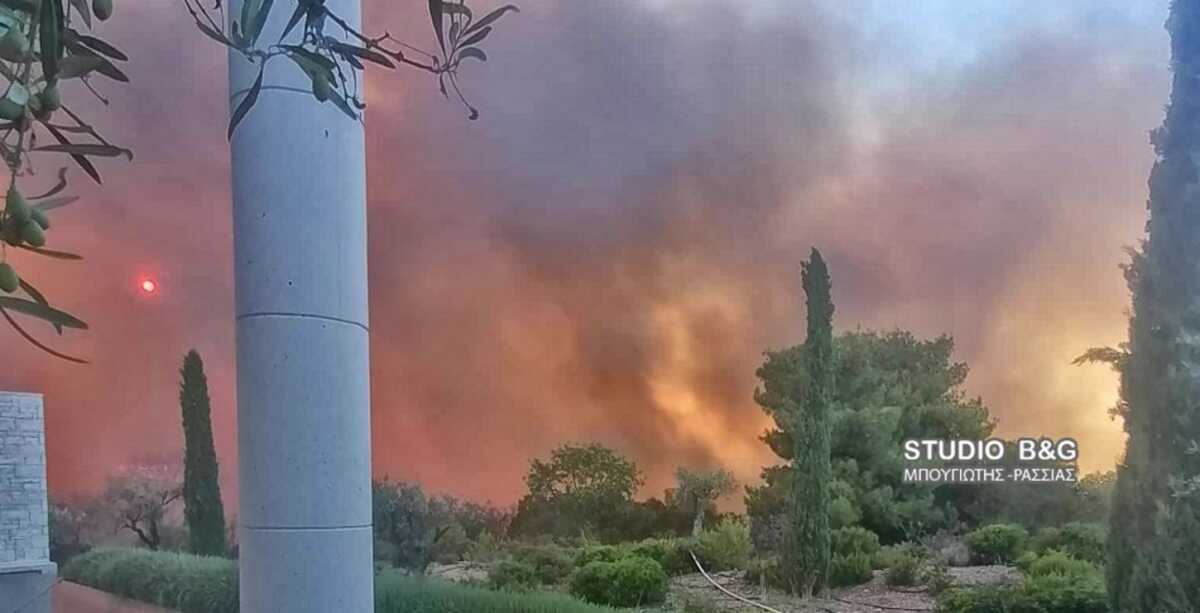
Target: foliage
(903,571)
(889,555)
(1059,563)
(514,576)
(997,543)
(598,553)
(333,64)
(889,387)
(395,593)
(66,528)
(139,499)
(551,564)
(1085,541)
(1154,533)
(1056,583)
(725,546)
(847,541)
(202,508)
(806,551)
(186,583)
(697,491)
(1037,505)
(44,50)
(847,570)
(580,488)
(937,578)
(629,582)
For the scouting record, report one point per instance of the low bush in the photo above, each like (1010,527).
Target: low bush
(1051,593)
(726,546)
(1068,594)
(1080,540)
(395,593)
(997,543)
(513,576)
(842,513)
(597,553)
(936,578)
(903,571)
(1061,564)
(186,583)
(888,555)
(629,582)
(853,540)
(551,564)
(847,570)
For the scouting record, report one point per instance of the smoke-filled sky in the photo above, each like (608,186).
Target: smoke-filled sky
(606,254)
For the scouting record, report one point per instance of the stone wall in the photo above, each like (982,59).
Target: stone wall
(23,536)
(26,573)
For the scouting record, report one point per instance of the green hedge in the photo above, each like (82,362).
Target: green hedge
(398,594)
(194,584)
(191,584)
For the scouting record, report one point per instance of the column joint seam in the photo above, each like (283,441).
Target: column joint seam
(303,316)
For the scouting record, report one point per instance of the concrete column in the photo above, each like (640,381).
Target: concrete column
(26,572)
(300,260)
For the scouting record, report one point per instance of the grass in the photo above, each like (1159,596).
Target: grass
(196,584)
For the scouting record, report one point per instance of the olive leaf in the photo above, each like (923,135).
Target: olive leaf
(100,46)
(472,52)
(12,322)
(254,27)
(58,255)
(58,187)
(75,66)
(81,6)
(435,15)
(490,18)
(54,203)
(243,107)
(87,149)
(39,298)
(50,28)
(83,162)
(41,311)
(370,55)
(477,37)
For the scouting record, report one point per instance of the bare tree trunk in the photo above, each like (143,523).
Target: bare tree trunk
(698,521)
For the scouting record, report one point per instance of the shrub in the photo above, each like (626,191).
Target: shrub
(513,576)
(987,599)
(1080,540)
(395,593)
(842,513)
(936,578)
(1063,565)
(1052,593)
(597,553)
(725,547)
(187,583)
(1056,593)
(849,541)
(629,582)
(550,563)
(888,555)
(997,543)
(847,570)
(903,571)
(678,561)
(767,568)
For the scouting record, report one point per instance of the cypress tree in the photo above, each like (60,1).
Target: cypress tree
(203,512)
(1153,530)
(807,544)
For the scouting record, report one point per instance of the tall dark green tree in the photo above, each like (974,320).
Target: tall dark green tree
(807,546)
(1154,539)
(203,511)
